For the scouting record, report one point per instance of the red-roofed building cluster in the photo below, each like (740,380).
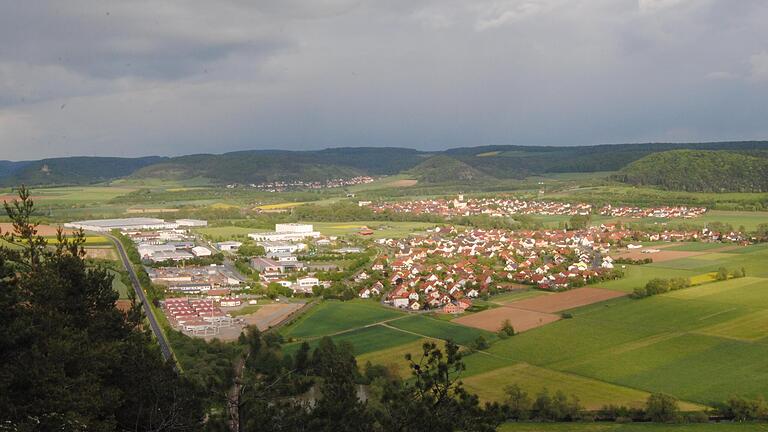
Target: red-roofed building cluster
(196,316)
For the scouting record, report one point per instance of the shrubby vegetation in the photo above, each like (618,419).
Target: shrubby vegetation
(660,286)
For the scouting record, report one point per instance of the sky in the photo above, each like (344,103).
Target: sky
(134,77)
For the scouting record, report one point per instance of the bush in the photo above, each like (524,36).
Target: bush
(662,408)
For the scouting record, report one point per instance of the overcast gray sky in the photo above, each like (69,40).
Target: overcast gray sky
(132,77)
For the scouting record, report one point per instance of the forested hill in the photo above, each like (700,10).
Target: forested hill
(700,171)
(71,170)
(445,169)
(255,166)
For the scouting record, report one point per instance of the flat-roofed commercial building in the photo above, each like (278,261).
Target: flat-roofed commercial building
(125,224)
(191,223)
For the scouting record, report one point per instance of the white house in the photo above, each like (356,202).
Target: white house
(229,246)
(307,282)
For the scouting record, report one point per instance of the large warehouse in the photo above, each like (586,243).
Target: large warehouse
(126,224)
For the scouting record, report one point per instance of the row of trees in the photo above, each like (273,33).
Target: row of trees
(660,286)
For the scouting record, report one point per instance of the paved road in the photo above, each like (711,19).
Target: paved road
(159,335)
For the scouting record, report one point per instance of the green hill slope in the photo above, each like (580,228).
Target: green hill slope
(72,170)
(444,169)
(699,171)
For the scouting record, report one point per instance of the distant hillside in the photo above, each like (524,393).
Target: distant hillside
(256,166)
(522,161)
(699,171)
(71,170)
(445,169)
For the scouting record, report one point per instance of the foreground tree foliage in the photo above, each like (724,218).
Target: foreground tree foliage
(71,360)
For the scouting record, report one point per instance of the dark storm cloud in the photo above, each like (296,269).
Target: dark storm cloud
(137,77)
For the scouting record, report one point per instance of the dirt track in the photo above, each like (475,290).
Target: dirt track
(271,314)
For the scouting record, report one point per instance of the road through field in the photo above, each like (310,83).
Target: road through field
(159,335)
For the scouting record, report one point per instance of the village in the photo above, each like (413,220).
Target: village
(282,186)
(502,207)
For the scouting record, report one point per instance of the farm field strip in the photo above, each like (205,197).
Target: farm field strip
(331,317)
(658,344)
(593,394)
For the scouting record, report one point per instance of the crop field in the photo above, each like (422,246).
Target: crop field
(592,394)
(364,340)
(380,229)
(638,275)
(331,317)
(394,358)
(695,247)
(439,329)
(516,295)
(228,232)
(79,194)
(688,346)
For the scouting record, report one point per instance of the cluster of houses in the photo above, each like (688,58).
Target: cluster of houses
(446,268)
(200,317)
(502,207)
(657,212)
(211,279)
(498,207)
(281,186)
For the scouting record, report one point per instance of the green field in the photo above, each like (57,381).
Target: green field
(365,340)
(426,326)
(79,194)
(694,247)
(658,344)
(638,275)
(380,229)
(593,394)
(632,427)
(331,317)
(118,285)
(516,295)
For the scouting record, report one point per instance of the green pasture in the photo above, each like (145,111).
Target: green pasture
(510,297)
(427,326)
(694,247)
(77,194)
(753,259)
(375,338)
(118,285)
(331,317)
(592,394)
(701,344)
(638,275)
(394,357)
(632,427)
(226,232)
(381,229)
